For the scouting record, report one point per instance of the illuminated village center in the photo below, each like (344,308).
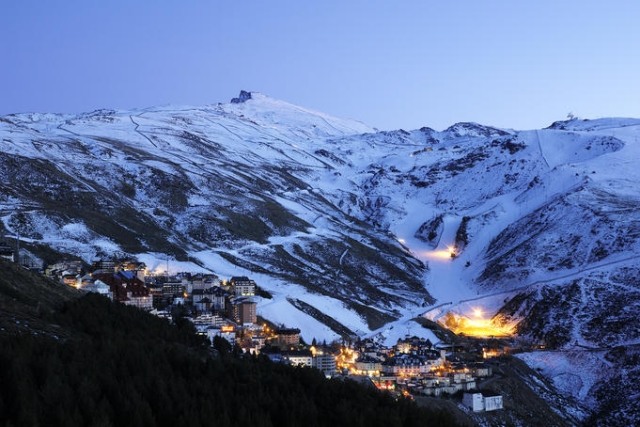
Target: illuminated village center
(226,309)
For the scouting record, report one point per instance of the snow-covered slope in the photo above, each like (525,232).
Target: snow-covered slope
(351,230)
(239,188)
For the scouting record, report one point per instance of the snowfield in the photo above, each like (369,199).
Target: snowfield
(567,370)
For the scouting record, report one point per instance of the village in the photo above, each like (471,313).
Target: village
(227,309)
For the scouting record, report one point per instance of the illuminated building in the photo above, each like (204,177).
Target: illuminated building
(324,360)
(243,286)
(287,337)
(405,365)
(369,366)
(413,345)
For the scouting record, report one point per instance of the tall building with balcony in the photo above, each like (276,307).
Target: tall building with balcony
(243,310)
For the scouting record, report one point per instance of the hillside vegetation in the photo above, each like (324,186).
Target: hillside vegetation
(112,365)
(28,301)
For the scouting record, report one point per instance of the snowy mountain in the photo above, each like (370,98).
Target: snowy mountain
(353,230)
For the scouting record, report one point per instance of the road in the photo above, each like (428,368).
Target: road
(547,281)
(139,132)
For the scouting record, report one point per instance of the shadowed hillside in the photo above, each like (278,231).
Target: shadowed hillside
(112,365)
(28,301)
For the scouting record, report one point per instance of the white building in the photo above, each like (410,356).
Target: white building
(206,320)
(492,402)
(243,286)
(368,366)
(473,401)
(98,287)
(324,360)
(227,332)
(143,302)
(298,357)
(479,402)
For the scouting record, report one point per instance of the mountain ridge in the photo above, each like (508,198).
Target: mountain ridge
(327,211)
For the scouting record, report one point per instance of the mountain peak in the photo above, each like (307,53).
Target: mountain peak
(267,111)
(243,97)
(474,129)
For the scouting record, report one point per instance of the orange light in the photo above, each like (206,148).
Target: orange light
(442,254)
(476,326)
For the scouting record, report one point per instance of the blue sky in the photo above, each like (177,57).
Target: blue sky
(505,63)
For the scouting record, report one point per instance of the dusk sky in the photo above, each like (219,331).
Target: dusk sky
(389,64)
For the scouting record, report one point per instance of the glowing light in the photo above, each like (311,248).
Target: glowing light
(477,326)
(490,353)
(442,254)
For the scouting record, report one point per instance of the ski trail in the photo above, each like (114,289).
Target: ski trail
(541,151)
